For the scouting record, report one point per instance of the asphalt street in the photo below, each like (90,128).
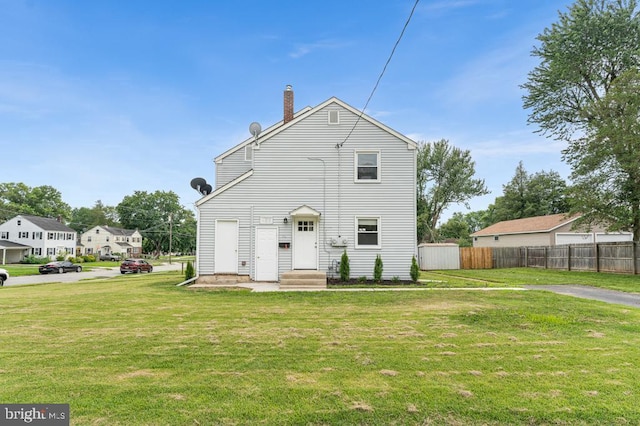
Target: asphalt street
(84,275)
(593,293)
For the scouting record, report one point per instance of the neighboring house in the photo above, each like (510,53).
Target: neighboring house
(548,230)
(35,235)
(108,239)
(321,181)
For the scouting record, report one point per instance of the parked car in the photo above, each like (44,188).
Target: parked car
(59,267)
(136,266)
(4,275)
(110,256)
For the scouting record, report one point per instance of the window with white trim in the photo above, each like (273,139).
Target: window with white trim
(4,235)
(367,232)
(367,166)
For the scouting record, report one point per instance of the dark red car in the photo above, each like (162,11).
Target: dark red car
(135,266)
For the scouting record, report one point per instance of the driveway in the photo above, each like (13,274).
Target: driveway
(593,293)
(84,275)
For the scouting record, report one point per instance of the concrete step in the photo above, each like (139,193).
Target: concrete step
(303,279)
(223,279)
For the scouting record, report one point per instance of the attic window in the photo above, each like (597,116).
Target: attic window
(19,222)
(248,153)
(496,238)
(334,116)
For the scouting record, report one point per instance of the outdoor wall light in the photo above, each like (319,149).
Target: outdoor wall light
(286,220)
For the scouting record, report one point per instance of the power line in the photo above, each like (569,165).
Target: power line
(384,69)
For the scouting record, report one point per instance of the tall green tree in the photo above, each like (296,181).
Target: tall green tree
(84,218)
(161,220)
(606,162)
(445,177)
(529,195)
(574,95)
(581,56)
(456,228)
(45,201)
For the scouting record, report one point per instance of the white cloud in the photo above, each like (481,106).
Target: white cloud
(303,49)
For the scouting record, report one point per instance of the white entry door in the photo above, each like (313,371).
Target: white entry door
(305,243)
(226,247)
(267,254)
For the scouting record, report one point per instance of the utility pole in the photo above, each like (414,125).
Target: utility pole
(170,236)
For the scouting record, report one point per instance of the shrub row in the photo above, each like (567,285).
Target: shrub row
(378,267)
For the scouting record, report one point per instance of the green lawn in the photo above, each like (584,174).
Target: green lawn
(138,350)
(522,276)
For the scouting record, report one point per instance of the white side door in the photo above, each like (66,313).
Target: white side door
(226,247)
(266,254)
(305,243)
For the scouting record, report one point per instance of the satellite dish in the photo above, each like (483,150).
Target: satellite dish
(255,128)
(206,189)
(197,183)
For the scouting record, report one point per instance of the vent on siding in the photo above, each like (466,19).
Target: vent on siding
(334,117)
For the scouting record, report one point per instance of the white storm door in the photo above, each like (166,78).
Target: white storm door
(226,247)
(266,254)
(305,243)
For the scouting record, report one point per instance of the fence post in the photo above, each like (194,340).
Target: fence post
(526,257)
(546,258)
(597,257)
(568,257)
(635,253)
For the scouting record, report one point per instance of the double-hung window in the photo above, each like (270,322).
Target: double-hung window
(368,232)
(367,166)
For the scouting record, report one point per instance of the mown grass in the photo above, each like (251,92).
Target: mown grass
(138,350)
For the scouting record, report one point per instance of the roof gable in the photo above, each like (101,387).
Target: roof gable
(304,210)
(527,225)
(224,188)
(299,116)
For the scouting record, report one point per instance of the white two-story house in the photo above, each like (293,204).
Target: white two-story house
(39,236)
(109,239)
(295,196)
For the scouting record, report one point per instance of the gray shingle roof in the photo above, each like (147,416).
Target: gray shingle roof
(11,244)
(47,224)
(119,231)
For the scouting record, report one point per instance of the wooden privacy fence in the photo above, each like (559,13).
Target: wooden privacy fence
(476,258)
(602,257)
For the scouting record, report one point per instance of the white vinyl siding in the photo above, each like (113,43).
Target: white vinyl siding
(367,166)
(287,176)
(232,166)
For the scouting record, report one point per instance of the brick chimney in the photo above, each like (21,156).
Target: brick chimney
(288,104)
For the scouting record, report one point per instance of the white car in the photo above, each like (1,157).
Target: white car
(4,275)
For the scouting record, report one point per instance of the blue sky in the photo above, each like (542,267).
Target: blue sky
(102,98)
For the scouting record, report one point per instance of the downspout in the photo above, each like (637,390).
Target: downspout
(324,207)
(251,244)
(338,146)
